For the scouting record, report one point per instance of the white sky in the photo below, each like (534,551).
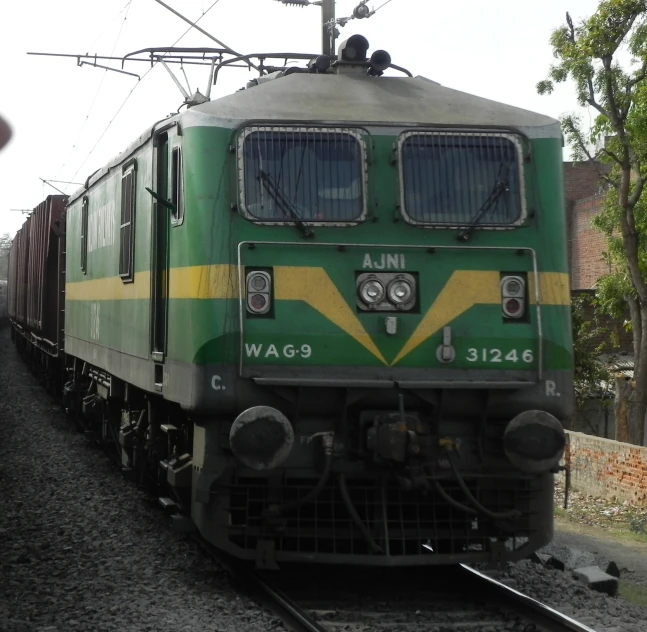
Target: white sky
(496,49)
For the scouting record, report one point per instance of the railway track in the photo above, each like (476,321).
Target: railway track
(456,599)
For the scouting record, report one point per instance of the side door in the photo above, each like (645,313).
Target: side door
(168,196)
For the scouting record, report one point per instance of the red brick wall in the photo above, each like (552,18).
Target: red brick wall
(582,180)
(586,244)
(582,191)
(606,468)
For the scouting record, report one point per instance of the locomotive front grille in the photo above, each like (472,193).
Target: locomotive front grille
(401,522)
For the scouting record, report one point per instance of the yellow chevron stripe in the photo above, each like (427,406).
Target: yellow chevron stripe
(314,287)
(463,290)
(466,288)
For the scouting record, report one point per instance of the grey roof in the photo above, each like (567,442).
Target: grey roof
(357,98)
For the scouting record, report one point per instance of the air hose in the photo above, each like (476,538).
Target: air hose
(341,479)
(280,510)
(454,503)
(506,515)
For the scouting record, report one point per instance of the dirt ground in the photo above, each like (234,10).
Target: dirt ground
(630,556)
(593,531)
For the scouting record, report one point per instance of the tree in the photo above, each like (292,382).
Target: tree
(590,372)
(588,54)
(5,244)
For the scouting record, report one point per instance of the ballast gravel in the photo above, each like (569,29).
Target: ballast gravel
(83,549)
(561,591)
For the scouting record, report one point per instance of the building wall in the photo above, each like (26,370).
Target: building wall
(582,180)
(606,468)
(583,193)
(587,244)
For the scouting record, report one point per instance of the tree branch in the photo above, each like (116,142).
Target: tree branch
(611,155)
(637,192)
(591,100)
(571,28)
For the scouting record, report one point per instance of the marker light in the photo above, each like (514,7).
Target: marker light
(512,286)
(511,307)
(513,292)
(259,285)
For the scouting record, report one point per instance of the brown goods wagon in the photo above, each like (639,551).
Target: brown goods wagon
(44,267)
(21,249)
(11,279)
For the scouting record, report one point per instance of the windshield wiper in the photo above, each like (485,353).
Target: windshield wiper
(500,187)
(285,205)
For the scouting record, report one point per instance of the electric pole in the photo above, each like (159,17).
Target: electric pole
(329,26)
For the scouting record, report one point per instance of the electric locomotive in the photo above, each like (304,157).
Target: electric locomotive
(329,313)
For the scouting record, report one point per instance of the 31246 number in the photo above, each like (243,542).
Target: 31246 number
(494,356)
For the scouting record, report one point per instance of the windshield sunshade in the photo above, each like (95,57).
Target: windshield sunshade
(459,179)
(302,176)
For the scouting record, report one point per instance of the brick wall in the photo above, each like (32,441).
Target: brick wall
(606,468)
(582,192)
(582,180)
(587,244)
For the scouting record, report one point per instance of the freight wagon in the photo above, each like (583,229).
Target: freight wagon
(4,315)
(328,315)
(36,287)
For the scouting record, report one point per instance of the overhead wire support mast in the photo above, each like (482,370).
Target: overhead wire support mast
(329,21)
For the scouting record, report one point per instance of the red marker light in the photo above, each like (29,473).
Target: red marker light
(258,302)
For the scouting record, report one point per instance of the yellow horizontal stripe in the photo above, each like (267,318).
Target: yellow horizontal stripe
(554,288)
(220,281)
(110,289)
(204,282)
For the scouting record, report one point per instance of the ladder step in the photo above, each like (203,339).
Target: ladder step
(167,504)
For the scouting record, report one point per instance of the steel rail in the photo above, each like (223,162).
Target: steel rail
(539,613)
(289,612)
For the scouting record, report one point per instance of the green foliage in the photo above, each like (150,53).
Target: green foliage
(638,524)
(589,54)
(5,244)
(589,371)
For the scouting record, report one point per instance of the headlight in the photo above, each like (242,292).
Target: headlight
(371,292)
(400,292)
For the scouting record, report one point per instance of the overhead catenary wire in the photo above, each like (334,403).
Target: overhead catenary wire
(382,5)
(121,107)
(96,94)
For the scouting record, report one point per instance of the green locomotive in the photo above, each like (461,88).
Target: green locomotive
(330,314)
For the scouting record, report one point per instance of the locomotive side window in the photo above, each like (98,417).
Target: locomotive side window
(311,175)
(126,232)
(458,179)
(177,186)
(84,235)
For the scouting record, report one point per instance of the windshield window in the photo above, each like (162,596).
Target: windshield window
(448,178)
(307,175)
